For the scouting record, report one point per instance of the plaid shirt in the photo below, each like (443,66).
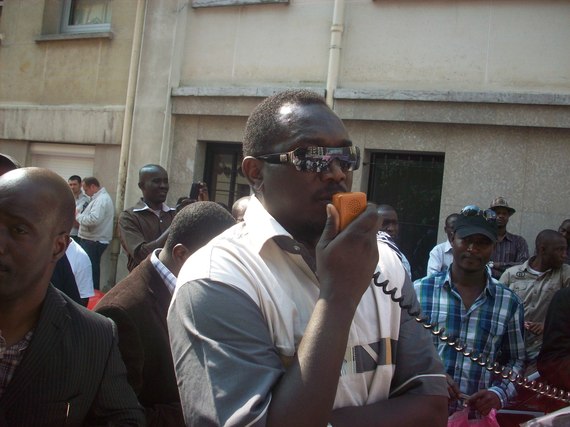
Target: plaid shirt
(10,358)
(492,326)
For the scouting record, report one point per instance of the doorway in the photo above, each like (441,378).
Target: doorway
(223,174)
(412,184)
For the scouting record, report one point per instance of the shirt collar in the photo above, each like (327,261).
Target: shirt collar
(265,226)
(165,274)
(101,191)
(447,246)
(142,206)
(490,287)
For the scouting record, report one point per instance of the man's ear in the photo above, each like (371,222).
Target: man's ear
(451,239)
(60,244)
(180,253)
(253,170)
(141,185)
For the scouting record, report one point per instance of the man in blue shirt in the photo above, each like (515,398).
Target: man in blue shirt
(479,312)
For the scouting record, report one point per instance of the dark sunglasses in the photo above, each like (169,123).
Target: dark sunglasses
(473,210)
(317,159)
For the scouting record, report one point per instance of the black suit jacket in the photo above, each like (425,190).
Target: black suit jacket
(138,305)
(71,373)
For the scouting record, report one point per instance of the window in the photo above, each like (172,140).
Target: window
(223,174)
(86,16)
(412,184)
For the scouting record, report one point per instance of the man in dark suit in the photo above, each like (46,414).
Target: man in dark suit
(60,363)
(139,305)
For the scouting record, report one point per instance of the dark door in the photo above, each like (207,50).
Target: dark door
(411,183)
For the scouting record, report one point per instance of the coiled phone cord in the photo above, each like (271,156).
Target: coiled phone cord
(520,380)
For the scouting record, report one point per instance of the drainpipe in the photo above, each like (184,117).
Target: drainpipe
(126,136)
(337,29)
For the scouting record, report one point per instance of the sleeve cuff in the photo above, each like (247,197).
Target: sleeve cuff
(502,395)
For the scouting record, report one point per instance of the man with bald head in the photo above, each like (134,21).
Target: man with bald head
(144,227)
(535,282)
(60,363)
(239,207)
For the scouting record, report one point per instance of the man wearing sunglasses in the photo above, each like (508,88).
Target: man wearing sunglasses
(476,311)
(277,322)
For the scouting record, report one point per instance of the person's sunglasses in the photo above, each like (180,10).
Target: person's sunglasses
(317,159)
(473,210)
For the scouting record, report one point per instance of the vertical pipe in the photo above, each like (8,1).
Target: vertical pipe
(337,29)
(126,135)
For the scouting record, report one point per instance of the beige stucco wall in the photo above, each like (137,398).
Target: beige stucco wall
(67,71)
(457,44)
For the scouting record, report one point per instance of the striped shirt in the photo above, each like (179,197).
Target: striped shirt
(492,326)
(512,250)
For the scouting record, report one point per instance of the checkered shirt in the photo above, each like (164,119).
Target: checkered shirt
(10,358)
(492,326)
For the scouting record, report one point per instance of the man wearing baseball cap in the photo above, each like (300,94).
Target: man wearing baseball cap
(476,311)
(511,249)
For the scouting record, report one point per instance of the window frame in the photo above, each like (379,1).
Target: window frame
(86,28)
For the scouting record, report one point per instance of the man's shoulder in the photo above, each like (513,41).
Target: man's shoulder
(511,272)
(432,279)
(132,290)
(503,292)
(136,208)
(516,237)
(80,318)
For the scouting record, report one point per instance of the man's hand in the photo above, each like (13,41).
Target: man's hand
(483,401)
(347,260)
(203,195)
(452,388)
(534,327)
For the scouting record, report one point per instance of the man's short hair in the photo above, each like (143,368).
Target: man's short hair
(75,178)
(197,224)
(264,130)
(546,236)
(91,180)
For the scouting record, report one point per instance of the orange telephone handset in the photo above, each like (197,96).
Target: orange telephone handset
(349,206)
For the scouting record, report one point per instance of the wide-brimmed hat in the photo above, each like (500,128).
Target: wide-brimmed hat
(501,202)
(476,224)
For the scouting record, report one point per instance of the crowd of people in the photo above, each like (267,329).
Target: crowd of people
(269,315)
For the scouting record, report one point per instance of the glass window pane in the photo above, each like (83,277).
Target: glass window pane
(90,12)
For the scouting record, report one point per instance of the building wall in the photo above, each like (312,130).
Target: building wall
(458,44)
(64,89)
(485,83)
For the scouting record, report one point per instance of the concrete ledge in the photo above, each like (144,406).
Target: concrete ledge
(222,101)
(504,97)
(215,3)
(534,109)
(62,123)
(73,36)
(530,115)
(239,91)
